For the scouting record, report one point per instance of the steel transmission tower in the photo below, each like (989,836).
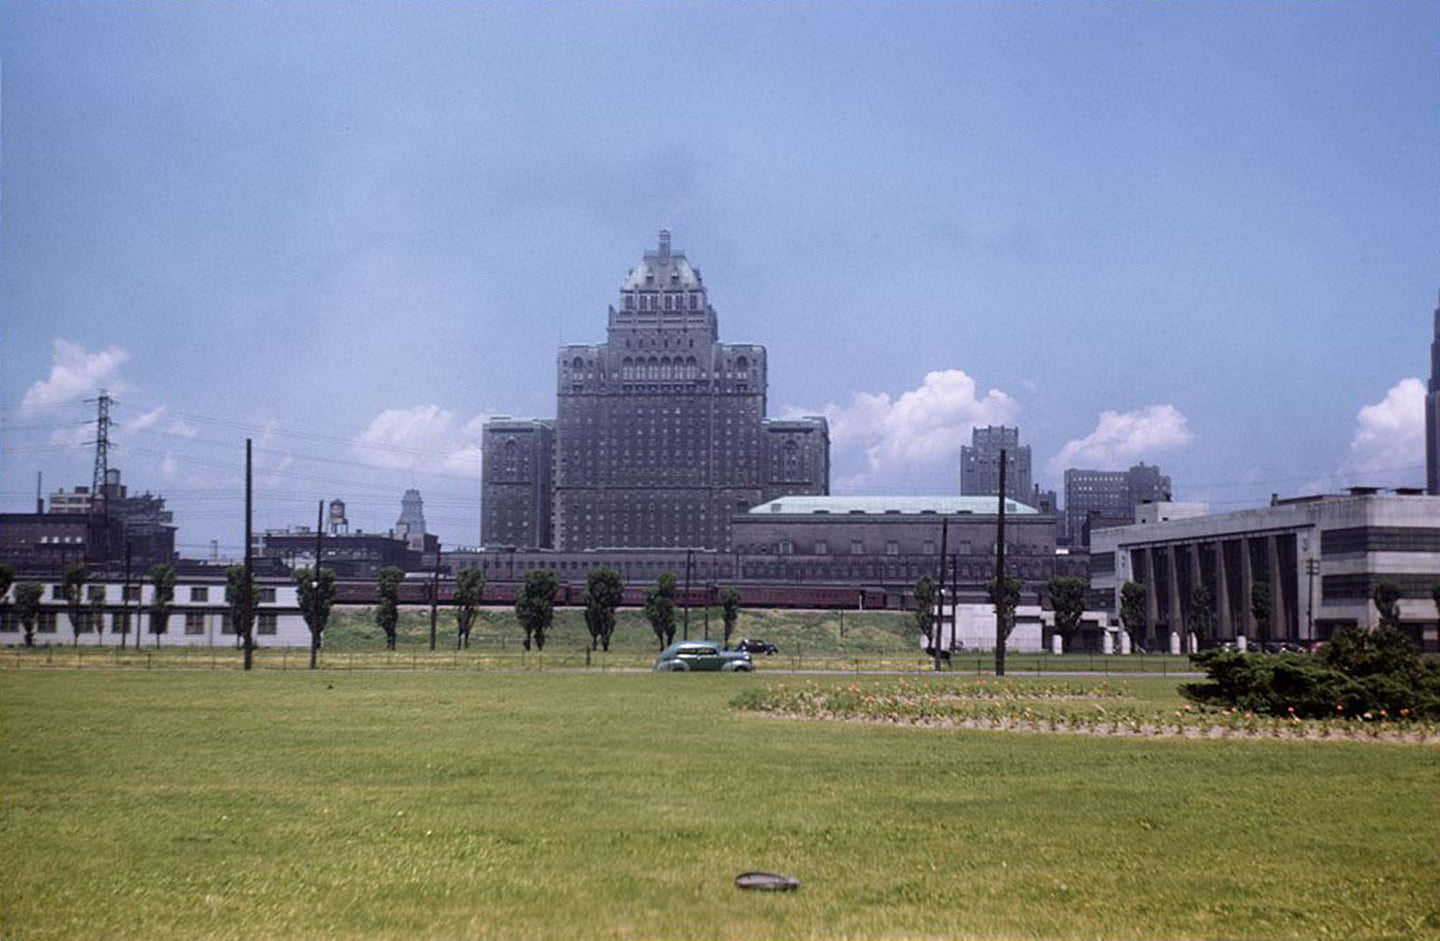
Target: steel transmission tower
(102,450)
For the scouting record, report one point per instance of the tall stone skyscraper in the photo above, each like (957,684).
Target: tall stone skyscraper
(980,463)
(660,432)
(1432,415)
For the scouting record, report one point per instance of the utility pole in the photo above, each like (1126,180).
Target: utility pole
(125,601)
(1312,568)
(434,596)
(1000,594)
(954,597)
(940,591)
(247,628)
(689,561)
(315,586)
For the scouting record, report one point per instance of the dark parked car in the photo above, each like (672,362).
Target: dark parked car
(754,645)
(689,655)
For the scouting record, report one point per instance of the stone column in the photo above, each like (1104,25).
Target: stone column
(1197,577)
(1247,577)
(1152,594)
(1279,616)
(1224,625)
(1176,613)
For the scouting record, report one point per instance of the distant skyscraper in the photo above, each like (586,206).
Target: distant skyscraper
(1112,495)
(412,515)
(1432,415)
(980,463)
(660,433)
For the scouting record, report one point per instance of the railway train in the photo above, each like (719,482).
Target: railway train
(417,587)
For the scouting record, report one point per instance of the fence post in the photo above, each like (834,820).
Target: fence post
(148,655)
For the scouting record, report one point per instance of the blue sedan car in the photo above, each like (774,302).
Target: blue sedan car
(692,655)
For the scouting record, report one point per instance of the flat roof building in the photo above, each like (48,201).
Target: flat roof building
(1320,558)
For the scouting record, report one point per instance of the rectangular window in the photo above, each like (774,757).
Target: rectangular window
(131,593)
(892,547)
(267,624)
(45,622)
(194,622)
(929,547)
(9,621)
(94,593)
(267,595)
(857,547)
(227,626)
(118,623)
(57,592)
(200,594)
(822,547)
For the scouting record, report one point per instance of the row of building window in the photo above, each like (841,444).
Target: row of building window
(652,301)
(47,622)
(96,593)
(1379,539)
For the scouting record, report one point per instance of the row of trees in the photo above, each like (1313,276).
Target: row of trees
(1067,595)
(535,605)
(87,617)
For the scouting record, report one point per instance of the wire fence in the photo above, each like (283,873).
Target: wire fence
(562,659)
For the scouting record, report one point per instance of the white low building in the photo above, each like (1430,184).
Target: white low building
(1319,557)
(972,627)
(199,616)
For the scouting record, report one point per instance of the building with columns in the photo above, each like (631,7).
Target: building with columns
(1320,557)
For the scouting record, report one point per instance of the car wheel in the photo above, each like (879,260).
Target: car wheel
(677,666)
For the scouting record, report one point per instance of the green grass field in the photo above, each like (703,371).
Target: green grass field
(445,804)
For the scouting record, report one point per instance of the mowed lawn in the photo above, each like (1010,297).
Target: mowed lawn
(198,804)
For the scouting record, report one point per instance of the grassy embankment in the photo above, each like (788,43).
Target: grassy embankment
(580,805)
(808,640)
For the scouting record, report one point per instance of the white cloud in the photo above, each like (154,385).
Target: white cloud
(1121,438)
(169,467)
(421,437)
(76,372)
(923,427)
(141,422)
(181,429)
(1389,440)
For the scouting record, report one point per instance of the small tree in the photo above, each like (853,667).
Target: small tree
(1260,608)
(1005,595)
(1132,608)
(7,578)
(1067,597)
(240,601)
(730,607)
(317,594)
(660,609)
(1434,596)
(469,591)
(1201,617)
(72,585)
(387,612)
(535,608)
(97,609)
(162,577)
(27,607)
(924,606)
(1387,602)
(603,593)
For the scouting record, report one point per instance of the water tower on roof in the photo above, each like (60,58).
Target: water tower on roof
(338,522)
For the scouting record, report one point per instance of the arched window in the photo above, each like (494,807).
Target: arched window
(510,459)
(742,364)
(627,369)
(578,363)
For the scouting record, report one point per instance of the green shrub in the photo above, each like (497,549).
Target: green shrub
(1378,672)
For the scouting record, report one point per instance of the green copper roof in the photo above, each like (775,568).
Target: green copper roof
(941,506)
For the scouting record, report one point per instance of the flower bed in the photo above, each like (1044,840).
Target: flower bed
(1067,708)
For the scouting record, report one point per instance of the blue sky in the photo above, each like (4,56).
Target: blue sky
(1198,234)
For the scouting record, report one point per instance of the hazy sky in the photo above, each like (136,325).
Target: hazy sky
(1198,234)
